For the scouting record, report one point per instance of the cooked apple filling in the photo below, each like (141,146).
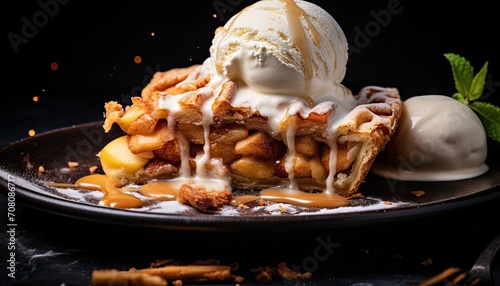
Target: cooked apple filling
(181,127)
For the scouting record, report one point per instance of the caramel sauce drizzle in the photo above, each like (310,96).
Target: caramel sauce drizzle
(294,16)
(114,196)
(296,197)
(118,197)
(242,200)
(161,190)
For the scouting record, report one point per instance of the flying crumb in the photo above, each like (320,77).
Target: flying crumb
(427,262)
(417,194)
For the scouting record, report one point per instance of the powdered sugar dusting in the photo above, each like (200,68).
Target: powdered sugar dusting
(378,204)
(78,195)
(252,209)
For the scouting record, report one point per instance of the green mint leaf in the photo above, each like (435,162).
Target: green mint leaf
(460,98)
(470,87)
(477,87)
(490,118)
(463,73)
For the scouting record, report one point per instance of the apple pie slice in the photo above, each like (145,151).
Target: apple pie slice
(182,127)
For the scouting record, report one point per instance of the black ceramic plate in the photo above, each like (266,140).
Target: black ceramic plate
(52,150)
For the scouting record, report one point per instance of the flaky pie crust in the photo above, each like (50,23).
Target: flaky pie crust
(242,146)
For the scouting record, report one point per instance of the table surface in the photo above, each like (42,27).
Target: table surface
(52,249)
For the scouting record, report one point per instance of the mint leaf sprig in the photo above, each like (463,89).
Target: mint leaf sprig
(470,87)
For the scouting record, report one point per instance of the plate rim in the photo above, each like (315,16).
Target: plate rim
(210,222)
(214,223)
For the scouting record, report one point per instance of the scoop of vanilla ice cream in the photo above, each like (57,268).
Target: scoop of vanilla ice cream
(282,47)
(438,139)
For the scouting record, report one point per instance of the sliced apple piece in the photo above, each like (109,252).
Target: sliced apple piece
(252,168)
(117,159)
(152,142)
(130,115)
(259,145)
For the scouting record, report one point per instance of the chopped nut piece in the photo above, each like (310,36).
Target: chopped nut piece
(417,194)
(93,169)
(243,206)
(282,209)
(73,164)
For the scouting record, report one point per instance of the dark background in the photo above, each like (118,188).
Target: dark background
(94,45)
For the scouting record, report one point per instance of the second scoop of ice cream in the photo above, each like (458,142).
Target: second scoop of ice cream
(438,139)
(283,47)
